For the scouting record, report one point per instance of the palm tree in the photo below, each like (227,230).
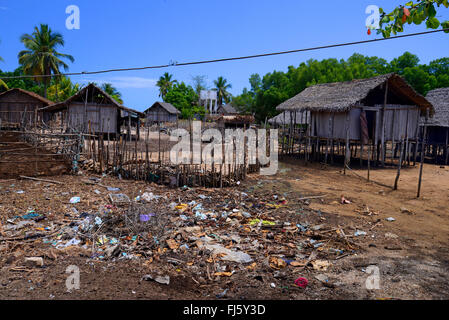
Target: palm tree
(62,89)
(112,91)
(41,57)
(165,83)
(222,86)
(2,83)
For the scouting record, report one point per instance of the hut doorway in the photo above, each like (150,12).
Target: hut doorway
(371,123)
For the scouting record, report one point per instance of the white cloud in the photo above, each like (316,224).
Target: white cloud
(126,82)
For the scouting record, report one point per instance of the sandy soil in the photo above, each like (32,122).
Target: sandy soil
(426,220)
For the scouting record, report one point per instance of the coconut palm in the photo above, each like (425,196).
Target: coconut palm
(62,89)
(222,86)
(112,91)
(165,83)
(3,84)
(41,57)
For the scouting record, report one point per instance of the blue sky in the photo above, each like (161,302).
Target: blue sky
(137,33)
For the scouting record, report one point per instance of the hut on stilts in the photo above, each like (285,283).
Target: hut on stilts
(93,111)
(161,112)
(375,120)
(438,127)
(20,109)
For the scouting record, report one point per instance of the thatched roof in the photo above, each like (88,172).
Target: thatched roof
(92,88)
(165,105)
(342,96)
(279,119)
(28,93)
(228,109)
(440,101)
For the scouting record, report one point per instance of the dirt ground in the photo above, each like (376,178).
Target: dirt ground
(411,253)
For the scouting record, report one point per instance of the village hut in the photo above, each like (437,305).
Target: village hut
(286,118)
(20,108)
(438,126)
(231,121)
(227,110)
(92,110)
(161,112)
(378,112)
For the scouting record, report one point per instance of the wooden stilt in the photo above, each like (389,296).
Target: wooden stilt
(423,147)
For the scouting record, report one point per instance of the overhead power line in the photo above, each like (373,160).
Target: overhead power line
(176,64)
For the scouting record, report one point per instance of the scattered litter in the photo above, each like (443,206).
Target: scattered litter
(222,294)
(159,279)
(119,198)
(277,263)
(35,261)
(301,282)
(321,277)
(148,197)
(344,200)
(262,222)
(360,233)
(74,200)
(391,235)
(146,217)
(229,255)
(321,265)
(390,219)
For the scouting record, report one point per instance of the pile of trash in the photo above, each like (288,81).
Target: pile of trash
(210,234)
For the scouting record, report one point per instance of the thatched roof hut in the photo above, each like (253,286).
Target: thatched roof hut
(342,96)
(92,109)
(162,112)
(231,121)
(440,101)
(227,109)
(284,118)
(438,126)
(20,107)
(379,111)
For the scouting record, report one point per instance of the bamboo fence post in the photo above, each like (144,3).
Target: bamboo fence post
(399,166)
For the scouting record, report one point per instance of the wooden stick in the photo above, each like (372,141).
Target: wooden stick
(43,180)
(399,167)
(423,146)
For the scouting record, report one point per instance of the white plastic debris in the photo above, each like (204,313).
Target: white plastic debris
(359,233)
(75,200)
(229,255)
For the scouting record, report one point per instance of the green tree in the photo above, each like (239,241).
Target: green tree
(185,99)
(62,89)
(407,60)
(267,93)
(40,56)
(222,86)
(199,83)
(413,12)
(112,91)
(244,103)
(419,79)
(2,83)
(165,83)
(22,83)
